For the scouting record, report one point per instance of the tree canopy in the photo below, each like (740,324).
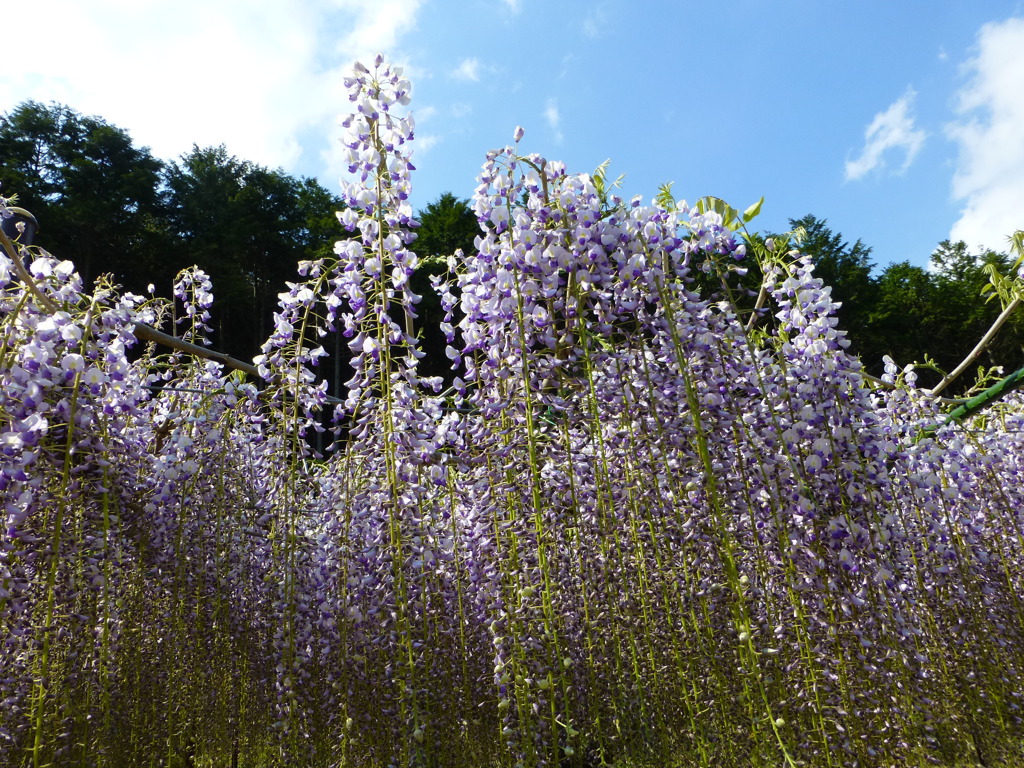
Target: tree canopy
(446,225)
(247,227)
(111,207)
(95,194)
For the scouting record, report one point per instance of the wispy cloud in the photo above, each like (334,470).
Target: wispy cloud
(426,142)
(469,69)
(374,26)
(989,177)
(554,118)
(424,114)
(174,73)
(513,5)
(891,130)
(596,21)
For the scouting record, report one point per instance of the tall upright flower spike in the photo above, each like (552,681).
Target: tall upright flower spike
(373,273)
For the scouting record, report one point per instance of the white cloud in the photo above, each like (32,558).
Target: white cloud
(554,119)
(892,129)
(551,113)
(989,177)
(177,72)
(513,5)
(424,143)
(596,21)
(374,26)
(469,69)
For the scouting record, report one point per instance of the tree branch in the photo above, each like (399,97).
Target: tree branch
(978,348)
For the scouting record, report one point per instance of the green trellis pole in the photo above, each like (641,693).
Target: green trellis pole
(998,390)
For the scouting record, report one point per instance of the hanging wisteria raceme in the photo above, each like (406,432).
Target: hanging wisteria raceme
(649,524)
(112,497)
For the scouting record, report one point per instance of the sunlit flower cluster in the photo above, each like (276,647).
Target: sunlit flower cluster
(643,527)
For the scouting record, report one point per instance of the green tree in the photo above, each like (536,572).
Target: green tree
(248,227)
(93,192)
(904,319)
(446,225)
(940,313)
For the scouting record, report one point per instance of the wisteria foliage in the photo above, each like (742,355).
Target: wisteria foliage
(639,530)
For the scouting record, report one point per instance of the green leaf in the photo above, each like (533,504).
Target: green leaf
(730,216)
(600,176)
(753,211)
(1017,244)
(665,198)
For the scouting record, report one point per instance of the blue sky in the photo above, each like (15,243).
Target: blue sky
(902,123)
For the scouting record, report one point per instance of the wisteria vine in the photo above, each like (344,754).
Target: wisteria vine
(644,527)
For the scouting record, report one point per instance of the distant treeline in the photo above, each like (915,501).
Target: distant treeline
(112,208)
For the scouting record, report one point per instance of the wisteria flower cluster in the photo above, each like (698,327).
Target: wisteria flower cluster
(644,527)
